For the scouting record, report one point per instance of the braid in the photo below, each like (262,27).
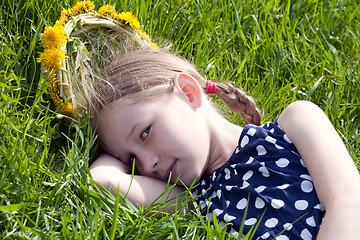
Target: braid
(239,102)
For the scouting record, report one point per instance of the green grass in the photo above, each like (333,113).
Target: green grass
(277,51)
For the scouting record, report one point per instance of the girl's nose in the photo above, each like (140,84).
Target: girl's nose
(148,162)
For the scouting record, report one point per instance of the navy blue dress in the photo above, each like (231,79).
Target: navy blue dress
(267,176)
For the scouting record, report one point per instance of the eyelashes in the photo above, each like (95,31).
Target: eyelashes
(145,133)
(143,136)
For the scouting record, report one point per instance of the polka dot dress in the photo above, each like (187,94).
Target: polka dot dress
(267,176)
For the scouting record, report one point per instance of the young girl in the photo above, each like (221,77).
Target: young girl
(152,108)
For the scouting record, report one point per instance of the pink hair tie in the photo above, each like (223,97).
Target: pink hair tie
(210,87)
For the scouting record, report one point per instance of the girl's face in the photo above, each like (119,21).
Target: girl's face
(164,134)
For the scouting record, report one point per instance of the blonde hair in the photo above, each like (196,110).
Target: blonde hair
(139,74)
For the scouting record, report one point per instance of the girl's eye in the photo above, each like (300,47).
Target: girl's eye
(145,133)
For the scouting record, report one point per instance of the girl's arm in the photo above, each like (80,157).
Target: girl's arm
(140,190)
(336,179)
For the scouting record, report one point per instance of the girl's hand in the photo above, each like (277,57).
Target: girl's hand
(140,190)
(335,176)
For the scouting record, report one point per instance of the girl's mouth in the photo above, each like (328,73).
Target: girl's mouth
(171,172)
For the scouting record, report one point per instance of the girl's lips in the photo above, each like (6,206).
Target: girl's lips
(172,170)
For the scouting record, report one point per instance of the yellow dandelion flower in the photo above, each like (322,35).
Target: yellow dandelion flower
(82,7)
(67,109)
(107,10)
(54,97)
(51,58)
(52,79)
(147,38)
(64,17)
(154,45)
(60,22)
(66,13)
(53,37)
(129,19)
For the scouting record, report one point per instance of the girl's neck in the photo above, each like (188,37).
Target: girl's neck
(224,137)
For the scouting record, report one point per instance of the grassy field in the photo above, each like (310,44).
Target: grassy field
(277,51)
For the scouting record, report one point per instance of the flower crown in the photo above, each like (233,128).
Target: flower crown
(55,38)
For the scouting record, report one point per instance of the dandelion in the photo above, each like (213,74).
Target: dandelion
(129,19)
(147,38)
(53,92)
(67,109)
(154,45)
(53,37)
(82,7)
(64,17)
(54,41)
(107,10)
(51,58)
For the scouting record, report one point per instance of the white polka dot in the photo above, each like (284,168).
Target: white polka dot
(305,234)
(284,186)
(242,204)
(247,175)
(227,173)
(203,182)
(272,130)
(228,218)
(218,211)
(259,189)
(311,221)
(218,193)
(202,205)
(228,188)
(261,150)
(287,139)
(282,237)
(265,235)
(244,141)
(264,171)
(288,226)
(251,132)
(227,203)
(270,139)
(245,185)
(306,186)
(306,176)
(259,203)
(209,216)
(250,221)
(251,159)
(213,176)
(301,205)
(302,163)
(282,162)
(278,147)
(237,150)
(277,203)
(222,223)
(320,207)
(272,222)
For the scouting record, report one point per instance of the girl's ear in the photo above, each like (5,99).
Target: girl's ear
(188,85)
